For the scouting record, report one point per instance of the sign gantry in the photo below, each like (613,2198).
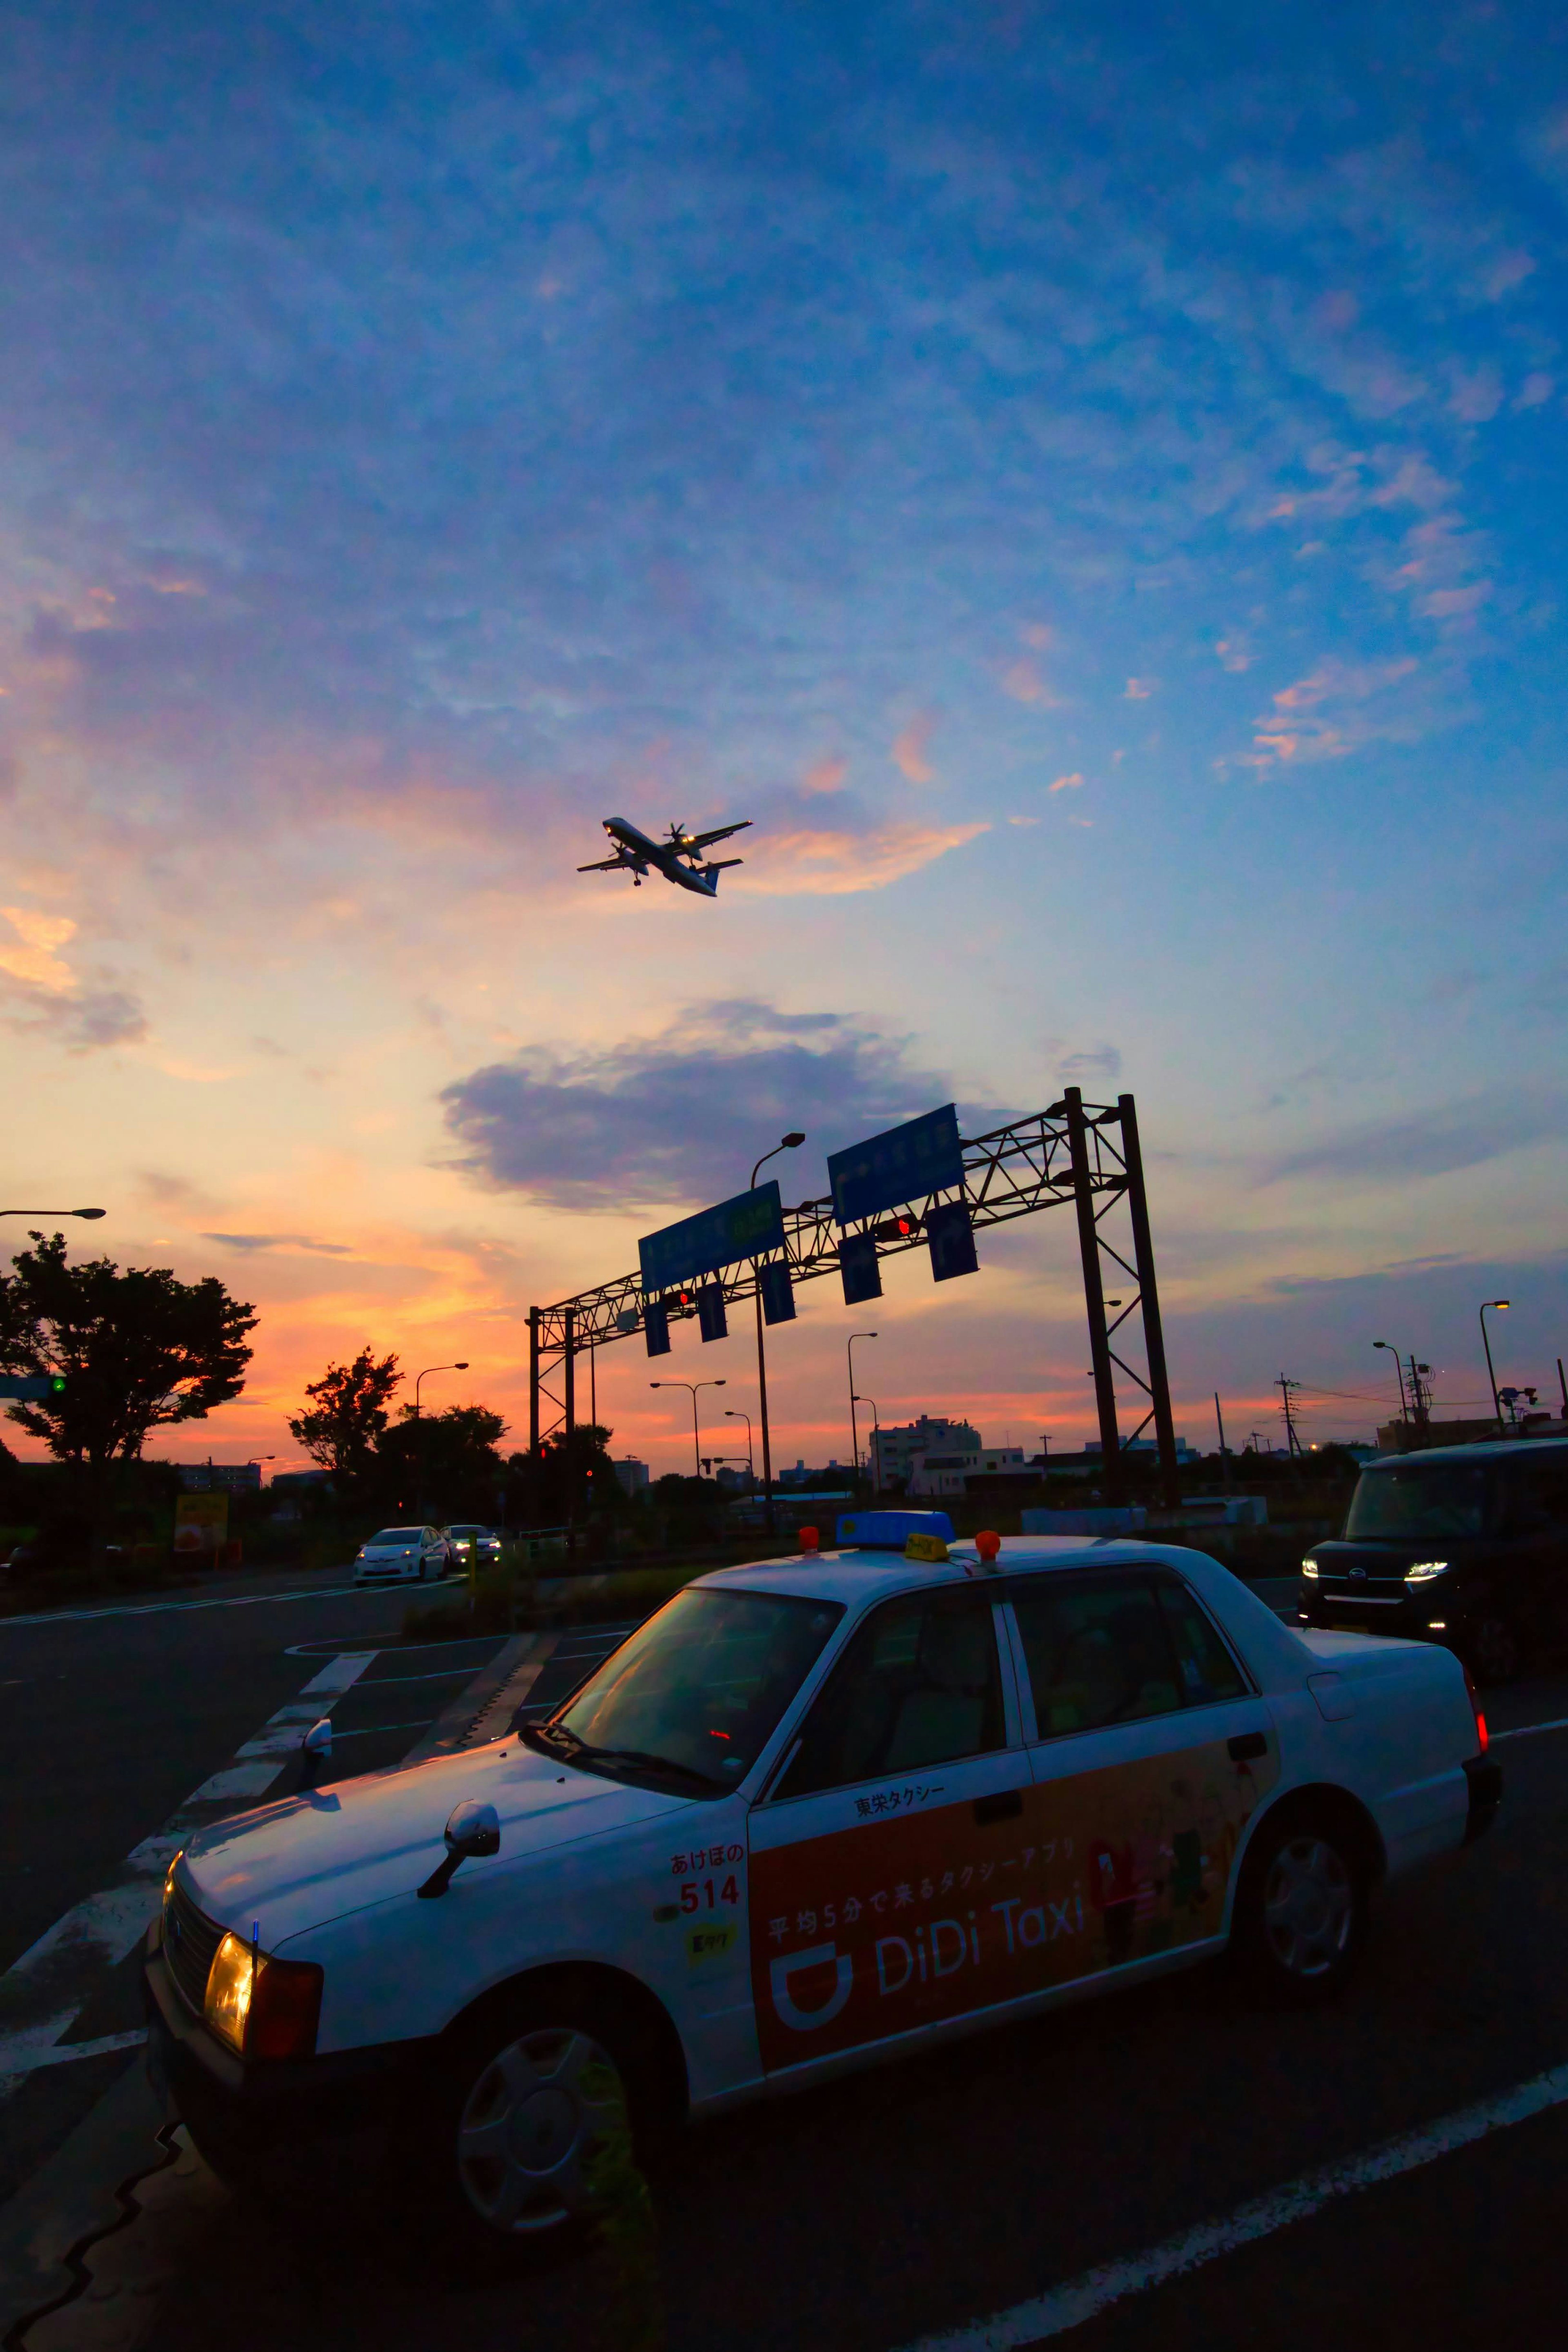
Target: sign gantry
(1085,1155)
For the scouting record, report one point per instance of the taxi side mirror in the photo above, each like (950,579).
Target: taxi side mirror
(317,1749)
(472,1833)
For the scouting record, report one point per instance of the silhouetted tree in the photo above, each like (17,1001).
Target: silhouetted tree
(347,1418)
(138,1350)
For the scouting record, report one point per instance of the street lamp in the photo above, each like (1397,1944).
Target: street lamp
(425,1375)
(734,1413)
(876,1457)
(791,1142)
(854,1433)
(1500,1305)
(89,1213)
(696,1439)
(1398,1374)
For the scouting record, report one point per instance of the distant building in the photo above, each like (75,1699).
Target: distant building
(221,1477)
(893,1449)
(631,1475)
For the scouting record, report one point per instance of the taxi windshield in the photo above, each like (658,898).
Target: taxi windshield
(1426,1501)
(693,1697)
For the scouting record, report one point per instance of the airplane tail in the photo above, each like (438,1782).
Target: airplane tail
(716,866)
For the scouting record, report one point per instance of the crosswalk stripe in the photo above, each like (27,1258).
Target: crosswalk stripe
(63,1966)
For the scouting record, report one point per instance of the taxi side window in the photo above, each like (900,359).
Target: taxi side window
(919,1685)
(1205,1667)
(1103,1654)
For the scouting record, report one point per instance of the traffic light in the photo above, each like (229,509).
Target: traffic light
(57,1384)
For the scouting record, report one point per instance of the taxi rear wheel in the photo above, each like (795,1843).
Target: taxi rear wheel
(535,2110)
(1302,1909)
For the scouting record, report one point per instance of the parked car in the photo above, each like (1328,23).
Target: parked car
(1467,1545)
(402,1556)
(811,1812)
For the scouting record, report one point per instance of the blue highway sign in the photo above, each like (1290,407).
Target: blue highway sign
(904,1164)
(744,1227)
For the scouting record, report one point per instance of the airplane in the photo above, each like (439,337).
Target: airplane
(677,859)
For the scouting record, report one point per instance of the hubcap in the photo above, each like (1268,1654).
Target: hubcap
(529,2126)
(1308,1902)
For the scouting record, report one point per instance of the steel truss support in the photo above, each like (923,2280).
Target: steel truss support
(1083,1153)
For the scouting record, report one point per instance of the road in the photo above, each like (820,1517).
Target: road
(954,2199)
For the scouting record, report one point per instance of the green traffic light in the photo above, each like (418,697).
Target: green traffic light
(57,1383)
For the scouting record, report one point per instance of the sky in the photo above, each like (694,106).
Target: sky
(1087,484)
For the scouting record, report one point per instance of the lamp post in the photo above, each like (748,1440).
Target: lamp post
(696,1439)
(876,1458)
(1398,1374)
(854,1433)
(734,1413)
(791,1142)
(89,1213)
(419,1441)
(1501,1307)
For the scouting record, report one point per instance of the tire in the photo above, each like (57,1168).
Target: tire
(1302,1908)
(527,2095)
(1495,1653)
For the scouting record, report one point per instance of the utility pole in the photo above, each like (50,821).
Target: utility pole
(1224,1448)
(1285,1387)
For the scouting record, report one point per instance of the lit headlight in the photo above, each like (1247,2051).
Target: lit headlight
(1309,1567)
(1425,1570)
(230,1983)
(262,2007)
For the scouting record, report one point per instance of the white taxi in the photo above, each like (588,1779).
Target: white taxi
(813,1814)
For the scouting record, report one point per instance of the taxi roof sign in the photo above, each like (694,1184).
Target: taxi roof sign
(891,1531)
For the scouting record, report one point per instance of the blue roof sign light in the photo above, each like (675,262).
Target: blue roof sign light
(904,1163)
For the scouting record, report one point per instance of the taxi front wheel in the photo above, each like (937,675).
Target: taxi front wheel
(534,2114)
(1302,1909)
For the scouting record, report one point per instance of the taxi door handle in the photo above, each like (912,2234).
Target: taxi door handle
(1005,1806)
(1247,1745)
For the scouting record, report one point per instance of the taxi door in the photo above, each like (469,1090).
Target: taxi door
(1149,1751)
(898,1840)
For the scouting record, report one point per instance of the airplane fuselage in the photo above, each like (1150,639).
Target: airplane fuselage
(667,856)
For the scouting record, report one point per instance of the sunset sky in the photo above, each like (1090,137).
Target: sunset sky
(1089,484)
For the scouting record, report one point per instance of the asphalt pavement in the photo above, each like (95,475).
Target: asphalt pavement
(1167,2167)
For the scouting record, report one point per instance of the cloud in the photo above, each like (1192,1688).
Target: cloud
(909,749)
(1431,1143)
(1138,689)
(251,1242)
(825,776)
(1364,706)
(1067,784)
(1535,391)
(681,1115)
(47,996)
(1024,683)
(822,861)
(1097,1065)
(1233,651)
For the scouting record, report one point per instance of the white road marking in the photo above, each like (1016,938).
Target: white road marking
(173,1608)
(96,1934)
(1529,1730)
(1083,2298)
(25,2052)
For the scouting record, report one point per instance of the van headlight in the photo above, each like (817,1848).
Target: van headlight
(1425,1570)
(262,2007)
(1309,1567)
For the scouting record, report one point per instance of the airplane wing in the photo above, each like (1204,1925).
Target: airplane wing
(721,866)
(720,832)
(605,866)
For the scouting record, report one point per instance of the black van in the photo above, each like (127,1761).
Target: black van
(1467,1545)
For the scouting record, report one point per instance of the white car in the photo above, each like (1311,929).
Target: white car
(472,1543)
(402,1556)
(813,1814)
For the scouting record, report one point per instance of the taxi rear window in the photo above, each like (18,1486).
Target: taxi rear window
(1116,1651)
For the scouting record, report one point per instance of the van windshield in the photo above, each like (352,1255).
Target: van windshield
(694,1696)
(1428,1500)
